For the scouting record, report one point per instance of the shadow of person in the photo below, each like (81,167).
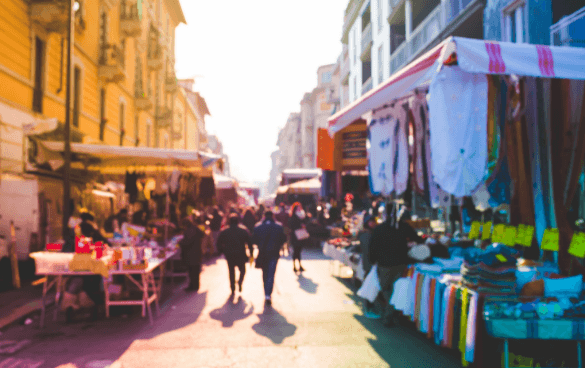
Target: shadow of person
(274,326)
(232,310)
(307,284)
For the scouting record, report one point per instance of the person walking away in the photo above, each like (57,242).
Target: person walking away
(269,238)
(249,220)
(364,237)
(233,242)
(297,221)
(191,245)
(389,250)
(282,218)
(215,226)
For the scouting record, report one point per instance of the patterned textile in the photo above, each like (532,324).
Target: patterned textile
(388,150)
(463,325)
(423,175)
(471,329)
(430,322)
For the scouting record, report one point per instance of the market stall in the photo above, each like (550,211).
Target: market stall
(61,266)
(178,177)
(479,111)
(226,190)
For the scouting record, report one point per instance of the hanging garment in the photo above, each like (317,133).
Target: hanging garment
(463,325)
(388,150)
(471,329)
(431,317)
(458,109)
(174,181)
(423,174)
(497,179)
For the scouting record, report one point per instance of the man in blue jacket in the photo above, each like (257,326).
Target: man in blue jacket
(269,237)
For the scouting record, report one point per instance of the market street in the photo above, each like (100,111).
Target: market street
(314,322)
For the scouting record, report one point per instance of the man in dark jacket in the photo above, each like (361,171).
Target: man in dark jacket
(269,237)
(389,250)
(191,250)
(232,242)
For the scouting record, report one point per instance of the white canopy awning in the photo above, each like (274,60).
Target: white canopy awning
(311,186)
(224,182)
(282,189)
(102,156)
(473,56)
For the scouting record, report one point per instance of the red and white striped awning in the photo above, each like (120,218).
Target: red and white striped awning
(473,56)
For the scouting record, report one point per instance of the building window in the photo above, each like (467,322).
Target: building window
(76,95)
(326,77)
(514,18)
(136,130)
(103,120)
(122,116)
(380,64)
(39,86)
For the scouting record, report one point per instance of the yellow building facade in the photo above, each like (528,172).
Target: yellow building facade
(124,89)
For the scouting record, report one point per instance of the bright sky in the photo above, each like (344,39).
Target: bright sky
(256,59)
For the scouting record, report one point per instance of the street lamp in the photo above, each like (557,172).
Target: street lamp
(73,6)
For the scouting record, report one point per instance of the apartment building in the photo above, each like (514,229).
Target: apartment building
(380,37)
(124,88)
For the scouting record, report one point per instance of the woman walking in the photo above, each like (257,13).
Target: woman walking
(298,233)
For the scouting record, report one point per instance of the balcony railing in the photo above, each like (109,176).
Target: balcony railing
(366,42)
(143,101)
(177,135)
(367,86)
(111,63)
(164,117)
(426,32)
(399,57)
(455,7)
(130,23)
(171,84)
(52,15)
(569,31)
(155,56)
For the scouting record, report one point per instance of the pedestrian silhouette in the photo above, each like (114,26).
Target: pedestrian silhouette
(234,309)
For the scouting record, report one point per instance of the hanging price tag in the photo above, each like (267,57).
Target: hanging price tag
(528,235)
(498,234)
(524,235)
(475,229)
(577,247)
(509,236)
(550,240)
(486,231)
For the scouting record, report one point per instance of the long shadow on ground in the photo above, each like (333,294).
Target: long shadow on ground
(274,325)
(234,309)
(402,346)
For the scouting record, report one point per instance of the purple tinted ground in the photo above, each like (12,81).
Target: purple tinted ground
(315,321)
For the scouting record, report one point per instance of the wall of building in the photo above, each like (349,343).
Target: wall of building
(17,76)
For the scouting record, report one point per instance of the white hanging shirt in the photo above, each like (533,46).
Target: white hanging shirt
(458,126)
(388,150)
